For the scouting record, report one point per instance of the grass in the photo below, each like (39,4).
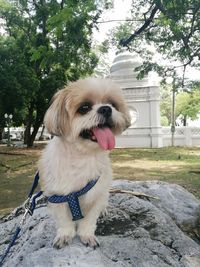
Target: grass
(175,165)
(17,168)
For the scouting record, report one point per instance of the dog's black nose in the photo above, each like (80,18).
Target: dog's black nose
(106,111)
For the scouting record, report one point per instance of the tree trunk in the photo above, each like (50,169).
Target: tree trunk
(27,133)
(1,133)
(41,138)
(185,121)
(29,121)
(34,133)
(37,123)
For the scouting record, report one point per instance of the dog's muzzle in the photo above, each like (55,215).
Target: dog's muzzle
(106,111)
(102,133)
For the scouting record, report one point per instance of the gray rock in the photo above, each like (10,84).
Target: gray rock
(174,200)
(136,232)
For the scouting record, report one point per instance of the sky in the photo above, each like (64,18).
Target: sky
(120,11)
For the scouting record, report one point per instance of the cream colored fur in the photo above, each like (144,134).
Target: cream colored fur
(69,162)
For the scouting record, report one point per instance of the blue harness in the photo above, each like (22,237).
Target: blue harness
(73,201)
(30,204)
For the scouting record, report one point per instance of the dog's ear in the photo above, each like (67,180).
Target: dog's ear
(56,119)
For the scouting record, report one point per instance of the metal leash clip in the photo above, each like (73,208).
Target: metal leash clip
(27,210)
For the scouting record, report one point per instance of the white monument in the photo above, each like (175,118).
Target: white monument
(143,98)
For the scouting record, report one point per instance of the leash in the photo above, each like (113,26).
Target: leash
(29,207)
(30,204)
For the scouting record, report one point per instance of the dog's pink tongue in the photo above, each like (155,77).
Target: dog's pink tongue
(105,138)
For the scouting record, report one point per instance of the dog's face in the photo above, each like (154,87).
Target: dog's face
(89,112)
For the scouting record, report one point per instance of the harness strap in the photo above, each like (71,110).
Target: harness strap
(73,201)
(33,202)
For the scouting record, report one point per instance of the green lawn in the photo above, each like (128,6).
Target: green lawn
(17,168)
(175,165)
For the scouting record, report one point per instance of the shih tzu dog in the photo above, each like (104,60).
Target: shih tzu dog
(84,118)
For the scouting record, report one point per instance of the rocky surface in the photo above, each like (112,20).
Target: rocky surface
(138,232)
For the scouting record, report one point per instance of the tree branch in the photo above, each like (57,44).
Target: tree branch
(118,20)
(134,193)
(183,77)
(141,29)
(62,4)
(145,14)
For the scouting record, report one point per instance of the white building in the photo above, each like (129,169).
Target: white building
(143,98)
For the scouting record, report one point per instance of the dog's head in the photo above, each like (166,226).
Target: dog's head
(90,112)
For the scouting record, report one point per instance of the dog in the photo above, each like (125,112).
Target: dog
(84,118)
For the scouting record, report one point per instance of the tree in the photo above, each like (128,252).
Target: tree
(51,45)
(188,105)
(15,77)
(170,27)
(103,67)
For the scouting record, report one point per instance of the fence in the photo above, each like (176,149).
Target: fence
(183,136)
(143,137)
(159,137)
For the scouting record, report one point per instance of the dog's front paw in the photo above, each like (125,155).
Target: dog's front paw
(61,241)
(90,240)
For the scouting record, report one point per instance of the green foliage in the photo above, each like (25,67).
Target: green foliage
(18,82)
(164,121)
(103,67)
(182,104)
(122,32)
(170,27)
(47,44)
(187,104)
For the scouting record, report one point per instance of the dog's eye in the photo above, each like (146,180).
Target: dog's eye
(84,108)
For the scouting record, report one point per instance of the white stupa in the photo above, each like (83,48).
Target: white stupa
(143,98)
